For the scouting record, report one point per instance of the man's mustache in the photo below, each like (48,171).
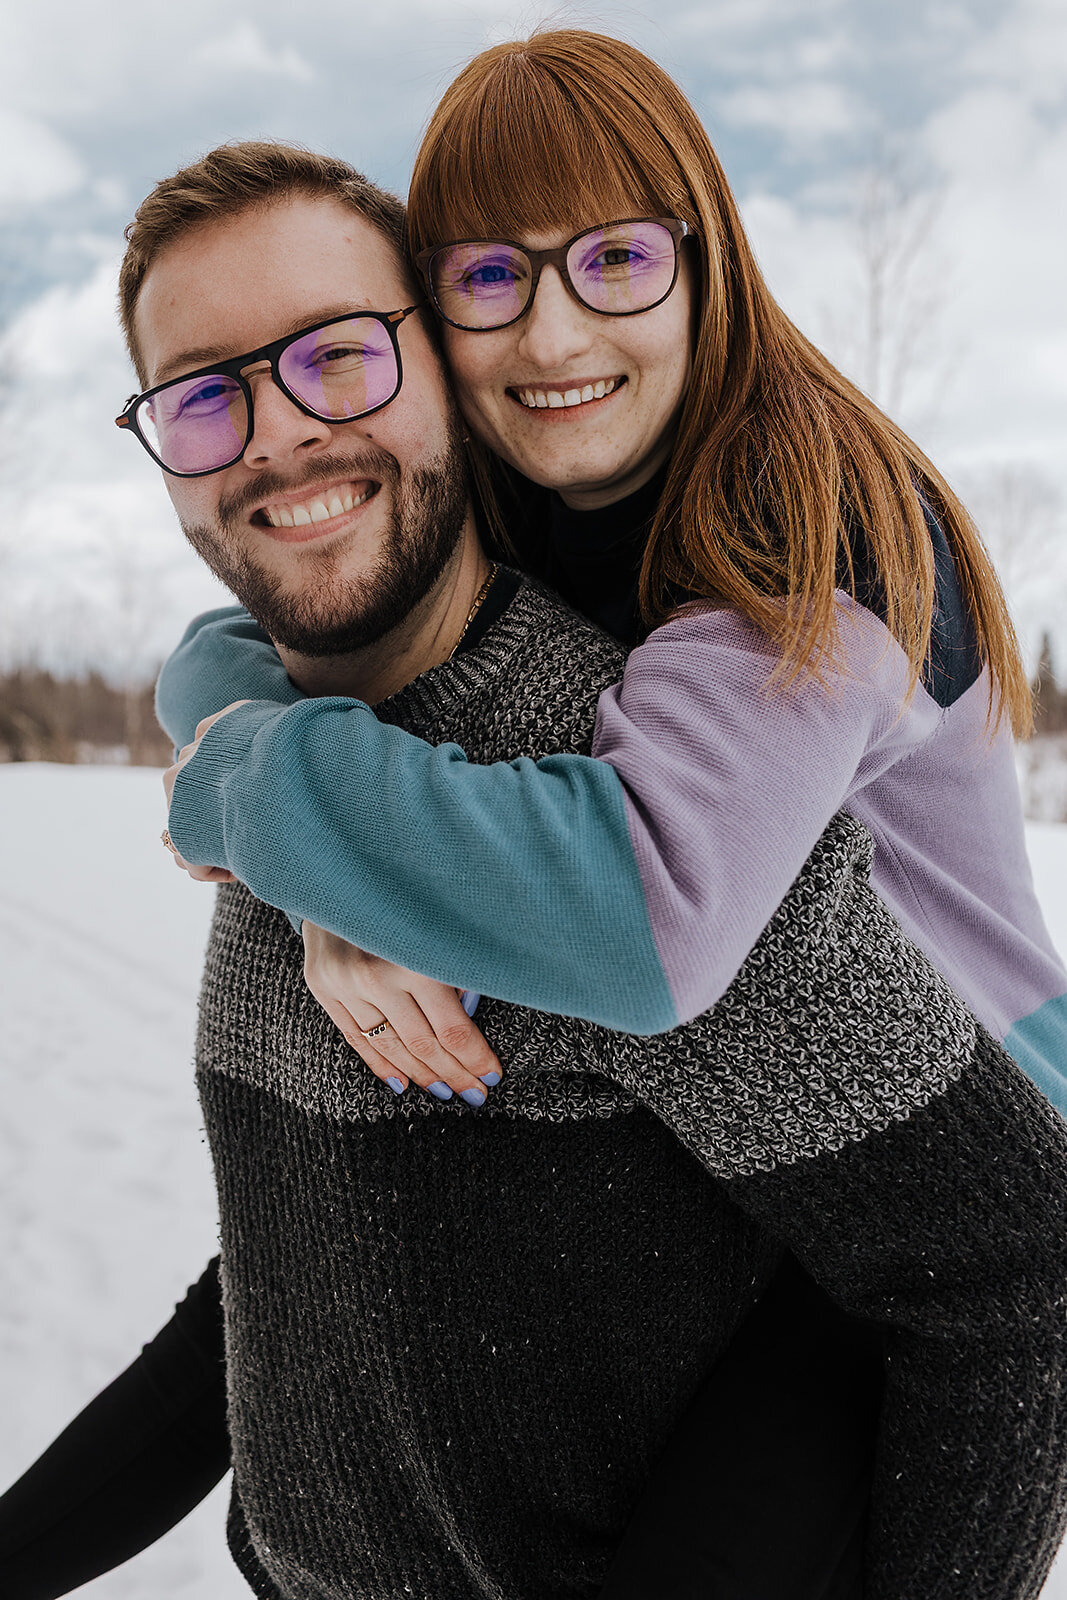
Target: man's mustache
(378,464)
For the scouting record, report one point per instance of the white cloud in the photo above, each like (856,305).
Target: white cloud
(243,49)
(101,573)
(36,164)
(69,338)
(93,564)
(1027,50)
(801,113)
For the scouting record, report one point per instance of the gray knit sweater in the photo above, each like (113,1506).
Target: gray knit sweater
(457,1339)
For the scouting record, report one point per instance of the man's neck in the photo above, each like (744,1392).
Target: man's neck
(427,636)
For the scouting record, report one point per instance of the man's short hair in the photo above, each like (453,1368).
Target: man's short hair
(234,178)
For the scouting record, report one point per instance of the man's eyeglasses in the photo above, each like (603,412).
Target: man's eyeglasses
(336,371)
(618,269)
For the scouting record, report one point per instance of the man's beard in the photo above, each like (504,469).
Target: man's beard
(326,612)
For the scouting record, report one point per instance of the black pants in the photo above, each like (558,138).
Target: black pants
(763,1490)
(761,1493)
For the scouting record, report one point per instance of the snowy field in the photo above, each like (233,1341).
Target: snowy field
(106,1201)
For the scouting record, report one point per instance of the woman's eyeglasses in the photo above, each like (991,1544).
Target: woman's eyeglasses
(618,269)
(336,371)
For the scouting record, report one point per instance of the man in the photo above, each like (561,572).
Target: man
(456,1340)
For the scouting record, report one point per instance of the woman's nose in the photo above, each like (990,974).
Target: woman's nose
(557,328)
(280,429)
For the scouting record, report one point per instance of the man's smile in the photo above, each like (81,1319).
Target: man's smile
(317,511)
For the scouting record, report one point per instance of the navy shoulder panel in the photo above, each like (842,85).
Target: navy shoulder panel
(953,663)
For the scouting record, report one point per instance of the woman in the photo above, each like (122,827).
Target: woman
(599,473)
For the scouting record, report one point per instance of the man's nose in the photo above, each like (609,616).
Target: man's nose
(557,328)
(280,430)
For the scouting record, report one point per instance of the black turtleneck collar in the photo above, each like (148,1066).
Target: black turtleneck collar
(593,558)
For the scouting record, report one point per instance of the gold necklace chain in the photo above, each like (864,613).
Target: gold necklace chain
(473,612)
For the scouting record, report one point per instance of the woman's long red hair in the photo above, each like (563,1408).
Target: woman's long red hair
(780,463)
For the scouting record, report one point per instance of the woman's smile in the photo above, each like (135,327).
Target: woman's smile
(566,394)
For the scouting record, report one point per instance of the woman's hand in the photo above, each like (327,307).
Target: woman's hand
(429,1040)
(201,874)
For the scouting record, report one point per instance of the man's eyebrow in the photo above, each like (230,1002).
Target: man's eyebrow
(192,360)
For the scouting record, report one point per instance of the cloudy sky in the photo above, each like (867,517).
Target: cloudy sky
(901,158)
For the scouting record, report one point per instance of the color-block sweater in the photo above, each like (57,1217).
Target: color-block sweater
(628,888)
(457,1339)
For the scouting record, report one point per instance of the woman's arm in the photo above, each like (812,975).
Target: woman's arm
(130,1466)
(222,656)
(621,887)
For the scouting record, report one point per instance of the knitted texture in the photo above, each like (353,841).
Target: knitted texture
(455,1350)
(446,1329)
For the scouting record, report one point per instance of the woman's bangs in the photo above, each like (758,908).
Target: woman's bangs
(527,163)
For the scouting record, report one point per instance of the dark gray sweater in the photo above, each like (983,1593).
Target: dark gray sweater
(457,1340)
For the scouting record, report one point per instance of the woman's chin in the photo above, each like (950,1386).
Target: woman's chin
(586,485)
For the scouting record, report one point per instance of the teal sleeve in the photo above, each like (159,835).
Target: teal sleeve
(223,656)
(517,879)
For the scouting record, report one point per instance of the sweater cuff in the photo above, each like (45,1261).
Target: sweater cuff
(198,807)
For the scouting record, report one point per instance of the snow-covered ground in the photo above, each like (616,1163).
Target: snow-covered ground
(106,1201)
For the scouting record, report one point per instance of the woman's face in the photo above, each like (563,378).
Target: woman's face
(630,372)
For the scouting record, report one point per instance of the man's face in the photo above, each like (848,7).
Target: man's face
(395,483)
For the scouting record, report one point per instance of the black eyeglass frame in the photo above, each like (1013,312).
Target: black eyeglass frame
(555,258)
(271,353)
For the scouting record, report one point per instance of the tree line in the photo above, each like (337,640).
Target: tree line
(46,718)
(88,719)
(1050,698)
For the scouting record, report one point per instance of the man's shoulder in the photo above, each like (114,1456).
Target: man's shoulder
(529,687)
(550,629)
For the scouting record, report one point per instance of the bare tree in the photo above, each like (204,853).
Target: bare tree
(135,572)
(1020,514)
(888,334)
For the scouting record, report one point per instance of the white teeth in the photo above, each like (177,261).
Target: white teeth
(556,399)
(318,510)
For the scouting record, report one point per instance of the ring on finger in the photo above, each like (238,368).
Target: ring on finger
(375,1032)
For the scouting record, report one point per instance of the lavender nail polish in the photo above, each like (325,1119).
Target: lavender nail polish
(473,1097)
(396,1085)
(491,1078)
(441,1090)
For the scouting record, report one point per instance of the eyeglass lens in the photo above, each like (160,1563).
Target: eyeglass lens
(619,269)
(339,372)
